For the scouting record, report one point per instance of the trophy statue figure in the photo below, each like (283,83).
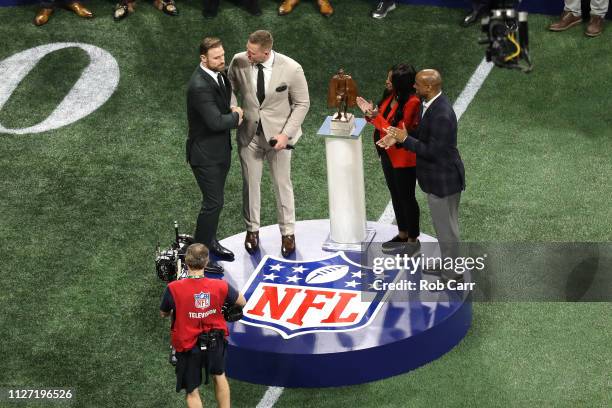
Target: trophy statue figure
(342,94)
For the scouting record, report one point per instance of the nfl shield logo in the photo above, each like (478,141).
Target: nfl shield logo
(202,300)
(299,297)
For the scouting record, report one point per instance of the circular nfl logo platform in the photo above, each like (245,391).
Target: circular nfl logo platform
(321,319)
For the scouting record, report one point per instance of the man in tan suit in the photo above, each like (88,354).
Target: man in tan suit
(275,100)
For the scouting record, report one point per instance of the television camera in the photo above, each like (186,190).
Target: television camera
(170,263)
(507,36)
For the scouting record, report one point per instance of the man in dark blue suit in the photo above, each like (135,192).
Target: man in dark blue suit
(439,168)
(208,145)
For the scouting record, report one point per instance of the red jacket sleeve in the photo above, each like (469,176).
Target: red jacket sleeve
(410,118)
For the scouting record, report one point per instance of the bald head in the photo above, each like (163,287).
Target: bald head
(428,83)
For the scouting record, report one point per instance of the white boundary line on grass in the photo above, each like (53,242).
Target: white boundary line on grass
(387,217)
(270,397)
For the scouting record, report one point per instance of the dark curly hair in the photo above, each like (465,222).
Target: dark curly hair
(402,79)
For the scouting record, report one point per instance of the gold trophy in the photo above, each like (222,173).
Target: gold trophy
(342,94)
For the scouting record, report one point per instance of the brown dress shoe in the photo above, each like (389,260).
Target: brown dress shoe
(567,20)
(325,8)
(595,26)
(42,16)
(287,6)
(251,242)
(79,9)
(288,245)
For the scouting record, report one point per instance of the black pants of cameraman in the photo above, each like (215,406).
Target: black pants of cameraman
(190,364)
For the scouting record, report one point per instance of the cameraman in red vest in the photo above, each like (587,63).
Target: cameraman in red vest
(199,329)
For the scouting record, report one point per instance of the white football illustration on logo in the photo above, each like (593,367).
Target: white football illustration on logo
(327,273)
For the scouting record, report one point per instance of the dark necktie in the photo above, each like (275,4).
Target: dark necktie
(261,89)
(220,80)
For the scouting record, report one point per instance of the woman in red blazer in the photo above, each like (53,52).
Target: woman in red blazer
(399,107)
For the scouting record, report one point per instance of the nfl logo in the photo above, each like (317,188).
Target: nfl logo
(331,294)
(202,300)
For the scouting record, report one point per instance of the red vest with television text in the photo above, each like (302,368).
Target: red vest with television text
(197,309)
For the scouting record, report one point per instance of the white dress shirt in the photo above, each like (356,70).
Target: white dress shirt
(215,75)
(267,71)
(427,104)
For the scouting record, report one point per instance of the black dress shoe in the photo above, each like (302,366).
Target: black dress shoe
(471,18)
(220,251)
(214,267)
(251,242)
(287,245)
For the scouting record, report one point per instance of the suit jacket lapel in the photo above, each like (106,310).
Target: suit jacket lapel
(276,77)
(215,85)
(432,106)
(247,80)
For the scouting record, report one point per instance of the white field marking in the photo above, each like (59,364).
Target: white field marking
(270,397)
(96,84)
(387,217)
(460,106)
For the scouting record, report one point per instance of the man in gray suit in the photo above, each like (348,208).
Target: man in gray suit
(275,100)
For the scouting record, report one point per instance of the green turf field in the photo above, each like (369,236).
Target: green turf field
(83,206)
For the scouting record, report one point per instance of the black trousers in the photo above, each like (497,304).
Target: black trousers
(402,183)
(482,6)
(211,180)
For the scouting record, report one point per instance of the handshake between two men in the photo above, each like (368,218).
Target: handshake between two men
(278,142)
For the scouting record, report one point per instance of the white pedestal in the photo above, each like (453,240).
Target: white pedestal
(346,190)
(347,211)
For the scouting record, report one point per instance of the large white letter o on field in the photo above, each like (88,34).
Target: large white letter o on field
(96,84)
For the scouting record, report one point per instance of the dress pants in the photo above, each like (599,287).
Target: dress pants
(252,159)
(445,218)
(598,7)
(481,6)
(401,183)
(211,180)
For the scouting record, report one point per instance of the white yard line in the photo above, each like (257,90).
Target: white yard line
(270,397)
(387,217)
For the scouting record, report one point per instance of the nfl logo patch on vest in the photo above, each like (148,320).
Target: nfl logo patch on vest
(202,300)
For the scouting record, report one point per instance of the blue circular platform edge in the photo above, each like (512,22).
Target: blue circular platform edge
(354,367)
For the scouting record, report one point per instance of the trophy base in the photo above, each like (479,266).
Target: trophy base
(331,245)
(343,126)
